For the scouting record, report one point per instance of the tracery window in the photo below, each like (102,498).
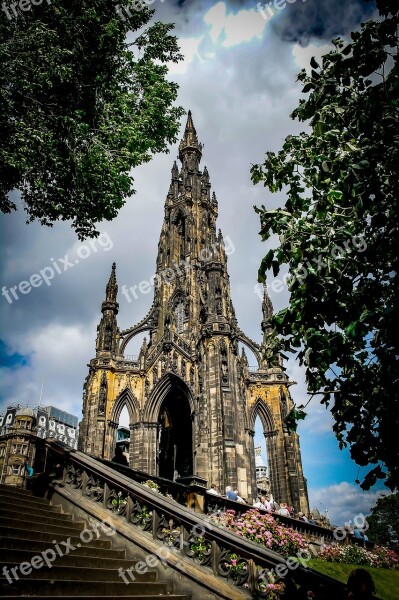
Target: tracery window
(179,315)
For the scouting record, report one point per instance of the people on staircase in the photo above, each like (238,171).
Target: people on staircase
(230,495)
(239,499)
(119,457)
(283,510)
(212,490)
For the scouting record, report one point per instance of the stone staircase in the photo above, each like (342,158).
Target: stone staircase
(32,530)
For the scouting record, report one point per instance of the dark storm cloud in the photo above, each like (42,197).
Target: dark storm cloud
(321,19)
(300,20)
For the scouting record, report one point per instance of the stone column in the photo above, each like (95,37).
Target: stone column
(110,440)
(149,448)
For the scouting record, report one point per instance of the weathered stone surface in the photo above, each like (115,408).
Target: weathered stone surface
(192,399)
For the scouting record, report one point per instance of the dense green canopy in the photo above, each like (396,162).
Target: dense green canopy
(384,521)
(81,104)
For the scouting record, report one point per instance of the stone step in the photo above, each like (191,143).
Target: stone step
(35,509)
(19,491)
(64,529)
(10,496)
(51,525)
(35,546)
(12,556)
(52,587)
(44,536)
(67,573)
(54,517)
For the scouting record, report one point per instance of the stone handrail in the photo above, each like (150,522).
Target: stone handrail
(238,561)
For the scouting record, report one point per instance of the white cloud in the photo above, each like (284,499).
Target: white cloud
(189,49)
(216,17)
(344,501)
(237,28)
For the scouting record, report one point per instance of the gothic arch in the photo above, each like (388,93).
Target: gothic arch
(177,214)
(178,295)
(159,393)
(127,399)
(263,411)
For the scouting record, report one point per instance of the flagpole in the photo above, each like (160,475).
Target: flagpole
(41,392)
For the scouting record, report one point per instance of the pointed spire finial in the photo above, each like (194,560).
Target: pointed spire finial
(267,307)
(112,286)
(190,139)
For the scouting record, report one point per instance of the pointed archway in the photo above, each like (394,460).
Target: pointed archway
(261,412)
(127,401)
(171,406)
(175,441)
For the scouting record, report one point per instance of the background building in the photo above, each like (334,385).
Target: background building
(123,439)
(262,480)
(20,427)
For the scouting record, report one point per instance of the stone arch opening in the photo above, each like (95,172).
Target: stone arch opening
(171,406)
(262,422)
(125,411)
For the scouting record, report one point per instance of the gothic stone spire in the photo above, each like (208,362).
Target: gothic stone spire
(112,286)
(107,329)
(190,150)
(267,309)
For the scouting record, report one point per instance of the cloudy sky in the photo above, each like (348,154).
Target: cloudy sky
(239,80)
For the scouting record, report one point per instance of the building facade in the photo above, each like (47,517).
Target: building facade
(20,427)
(191,396)
(17,445)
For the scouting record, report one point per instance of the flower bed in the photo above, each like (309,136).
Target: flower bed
(263,529)
(377,557)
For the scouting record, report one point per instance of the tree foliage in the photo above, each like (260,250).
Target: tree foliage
(338,233)
(80,106)
(384,521)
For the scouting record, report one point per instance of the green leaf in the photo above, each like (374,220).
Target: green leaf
(314,63)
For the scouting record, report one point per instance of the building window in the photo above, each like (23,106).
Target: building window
(2,451)
(19,449)
(15,469)
(180,317)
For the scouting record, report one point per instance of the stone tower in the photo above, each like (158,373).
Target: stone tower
(191,396)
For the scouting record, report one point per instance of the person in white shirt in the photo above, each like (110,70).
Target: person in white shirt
(266,503)
(263,503)
(212,490)
(283,510)
(258,504)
